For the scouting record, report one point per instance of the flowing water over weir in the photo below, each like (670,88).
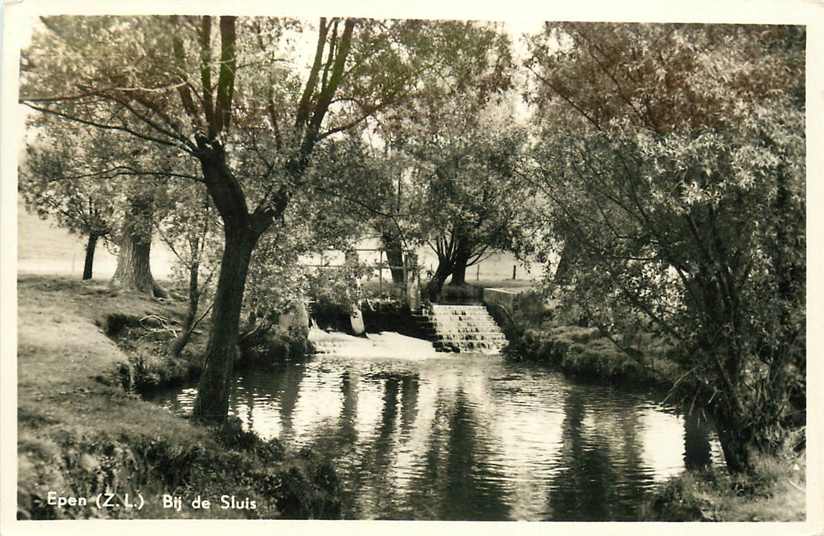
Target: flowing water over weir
(420,434)
(463,328)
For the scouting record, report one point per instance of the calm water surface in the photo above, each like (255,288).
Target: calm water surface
(470,437)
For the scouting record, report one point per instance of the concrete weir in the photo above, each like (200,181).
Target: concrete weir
(463,328)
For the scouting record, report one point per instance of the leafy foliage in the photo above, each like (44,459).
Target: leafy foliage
(673,157)
(55,180)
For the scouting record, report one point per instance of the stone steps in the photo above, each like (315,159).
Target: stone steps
(462,328)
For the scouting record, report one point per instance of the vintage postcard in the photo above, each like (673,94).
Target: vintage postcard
(354,267)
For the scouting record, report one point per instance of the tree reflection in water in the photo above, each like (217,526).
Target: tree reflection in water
(470,437)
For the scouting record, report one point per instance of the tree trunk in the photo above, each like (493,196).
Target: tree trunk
(413,289)
(91,245)
(697,454)
(394,256)
(133,271)
(435,285)
(459,270)
(459,273)
(182,340)
(459,262)
(212,402)
(561,276)
(736,446)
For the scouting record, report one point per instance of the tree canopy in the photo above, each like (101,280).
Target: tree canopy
(673,156)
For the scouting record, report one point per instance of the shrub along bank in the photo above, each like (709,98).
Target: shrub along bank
(537,333)
(775,491)
(80,433)
(584,351)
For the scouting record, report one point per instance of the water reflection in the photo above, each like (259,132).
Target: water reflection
(471,437)
(697,452)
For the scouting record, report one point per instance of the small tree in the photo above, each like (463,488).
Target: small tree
(55,183)
(189,226)
(473,202)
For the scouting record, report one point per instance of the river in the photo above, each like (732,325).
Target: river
(439,436)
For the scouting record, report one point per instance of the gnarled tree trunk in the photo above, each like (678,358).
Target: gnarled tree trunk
(212,402)
(133,270)
(394,256)
(241,232)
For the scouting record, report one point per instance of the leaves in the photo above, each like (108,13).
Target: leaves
(673,157)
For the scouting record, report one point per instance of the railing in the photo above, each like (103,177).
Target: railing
(378,266)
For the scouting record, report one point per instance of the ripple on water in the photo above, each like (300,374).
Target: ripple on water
(468,437)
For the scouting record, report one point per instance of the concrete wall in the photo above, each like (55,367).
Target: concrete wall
(500,296)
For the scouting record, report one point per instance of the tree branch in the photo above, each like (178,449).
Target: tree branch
(107,127)
(226,77)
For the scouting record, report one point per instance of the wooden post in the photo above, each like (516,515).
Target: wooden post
(478,272)
(514,267)
(413,294)
(405,275)
(380,271)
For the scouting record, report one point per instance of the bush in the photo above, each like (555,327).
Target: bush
(581,351)
(329,315)
(272,349)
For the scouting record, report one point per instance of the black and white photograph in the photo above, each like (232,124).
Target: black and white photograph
(414,267)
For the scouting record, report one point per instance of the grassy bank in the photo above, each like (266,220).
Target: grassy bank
(775,492)
(82,429)
(584,351)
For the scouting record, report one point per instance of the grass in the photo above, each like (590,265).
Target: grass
(584,351)
(81,433)
(502,283)
(774,492)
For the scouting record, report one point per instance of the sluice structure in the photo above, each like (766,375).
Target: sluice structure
(462,328)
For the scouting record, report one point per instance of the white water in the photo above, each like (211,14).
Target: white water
(465,329)
(384,344)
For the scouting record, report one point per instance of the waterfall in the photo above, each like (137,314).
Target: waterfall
(464,328)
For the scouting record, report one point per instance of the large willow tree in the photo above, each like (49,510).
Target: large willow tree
(248,99)
(673,159)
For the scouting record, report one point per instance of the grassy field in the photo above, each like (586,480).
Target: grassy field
(81,430)
(44,248)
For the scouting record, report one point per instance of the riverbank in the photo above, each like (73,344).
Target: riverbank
(83,430)
(775,491)
(583,351)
